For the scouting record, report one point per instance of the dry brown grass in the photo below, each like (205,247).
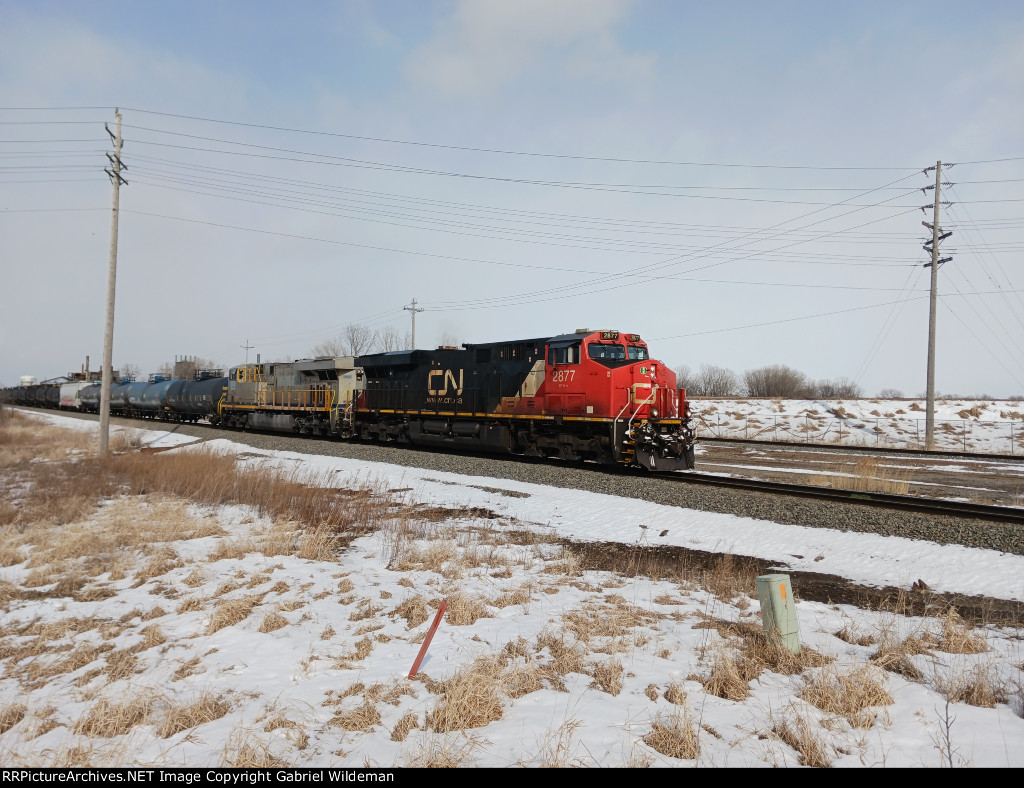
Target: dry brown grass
(187,669)
(108,718)
(472,698)
(849,693)
(24,439)
(518,596)
(675,736)
(10,715)
(244,750)
(363,718)
(799,732)
(759,652)
(414,610)
(895,655)
(273,622)
(439,555)
(186,716)
(121,665)
(408,723)
(614,618)
(152,636)
(522,679)
(979,686)
(229,612)
(958,638)
(566,656)
(364,609)
(868,475)
(463,609)
(675,694)
(850,634)
(730,675)
(607,676)
(442,753)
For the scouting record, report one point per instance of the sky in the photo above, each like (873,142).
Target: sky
(741,184)
(304,677)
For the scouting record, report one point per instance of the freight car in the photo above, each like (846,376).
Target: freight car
(589,395)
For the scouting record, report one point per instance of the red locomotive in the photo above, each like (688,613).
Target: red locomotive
(591,395)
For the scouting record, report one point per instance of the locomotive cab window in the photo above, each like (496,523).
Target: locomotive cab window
(637,353)
(569,354)
(601,351)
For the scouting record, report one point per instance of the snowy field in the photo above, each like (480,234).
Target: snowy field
(982,426)
(232,649)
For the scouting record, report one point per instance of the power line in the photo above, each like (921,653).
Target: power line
(506,152)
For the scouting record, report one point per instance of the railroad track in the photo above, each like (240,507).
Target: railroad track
(879,450)
(907,503)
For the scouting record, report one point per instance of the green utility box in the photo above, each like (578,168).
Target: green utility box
(778,609)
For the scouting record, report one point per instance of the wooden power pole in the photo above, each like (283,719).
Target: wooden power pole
(108,338)
(414,310)
(932,245)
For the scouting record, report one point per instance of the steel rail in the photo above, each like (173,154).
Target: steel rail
(838,448)
(1005,514)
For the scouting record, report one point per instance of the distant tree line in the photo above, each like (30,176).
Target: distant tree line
(775,380)
(356,339)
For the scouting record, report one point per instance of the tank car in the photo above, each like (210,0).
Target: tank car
(148,400)
(191,400)
(70,394)
(89,398)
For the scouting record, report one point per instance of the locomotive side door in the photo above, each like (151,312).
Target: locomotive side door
(563,381)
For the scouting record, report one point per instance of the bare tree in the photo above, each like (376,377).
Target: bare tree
(389,338)
(776,380)
(359,339)
(355,339)
(685,379)
(332,347)
(715,381)
(839,388)
(448,339)
(130,371)
(890,393)
(186,367)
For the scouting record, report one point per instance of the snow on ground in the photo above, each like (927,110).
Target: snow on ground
(325,683)
(982,426)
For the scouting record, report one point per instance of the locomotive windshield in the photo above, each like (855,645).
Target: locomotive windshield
(601,351)
(612,354)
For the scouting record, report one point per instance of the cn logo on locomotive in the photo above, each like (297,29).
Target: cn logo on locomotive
(448,377)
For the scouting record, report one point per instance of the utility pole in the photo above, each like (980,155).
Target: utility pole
(247,347)
(414,310)
(932,245)
(108,338)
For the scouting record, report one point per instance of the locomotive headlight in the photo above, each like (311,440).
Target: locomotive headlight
(654,412)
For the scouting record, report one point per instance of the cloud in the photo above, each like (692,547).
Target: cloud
(488,45)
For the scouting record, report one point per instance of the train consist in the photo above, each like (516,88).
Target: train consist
(589,395)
